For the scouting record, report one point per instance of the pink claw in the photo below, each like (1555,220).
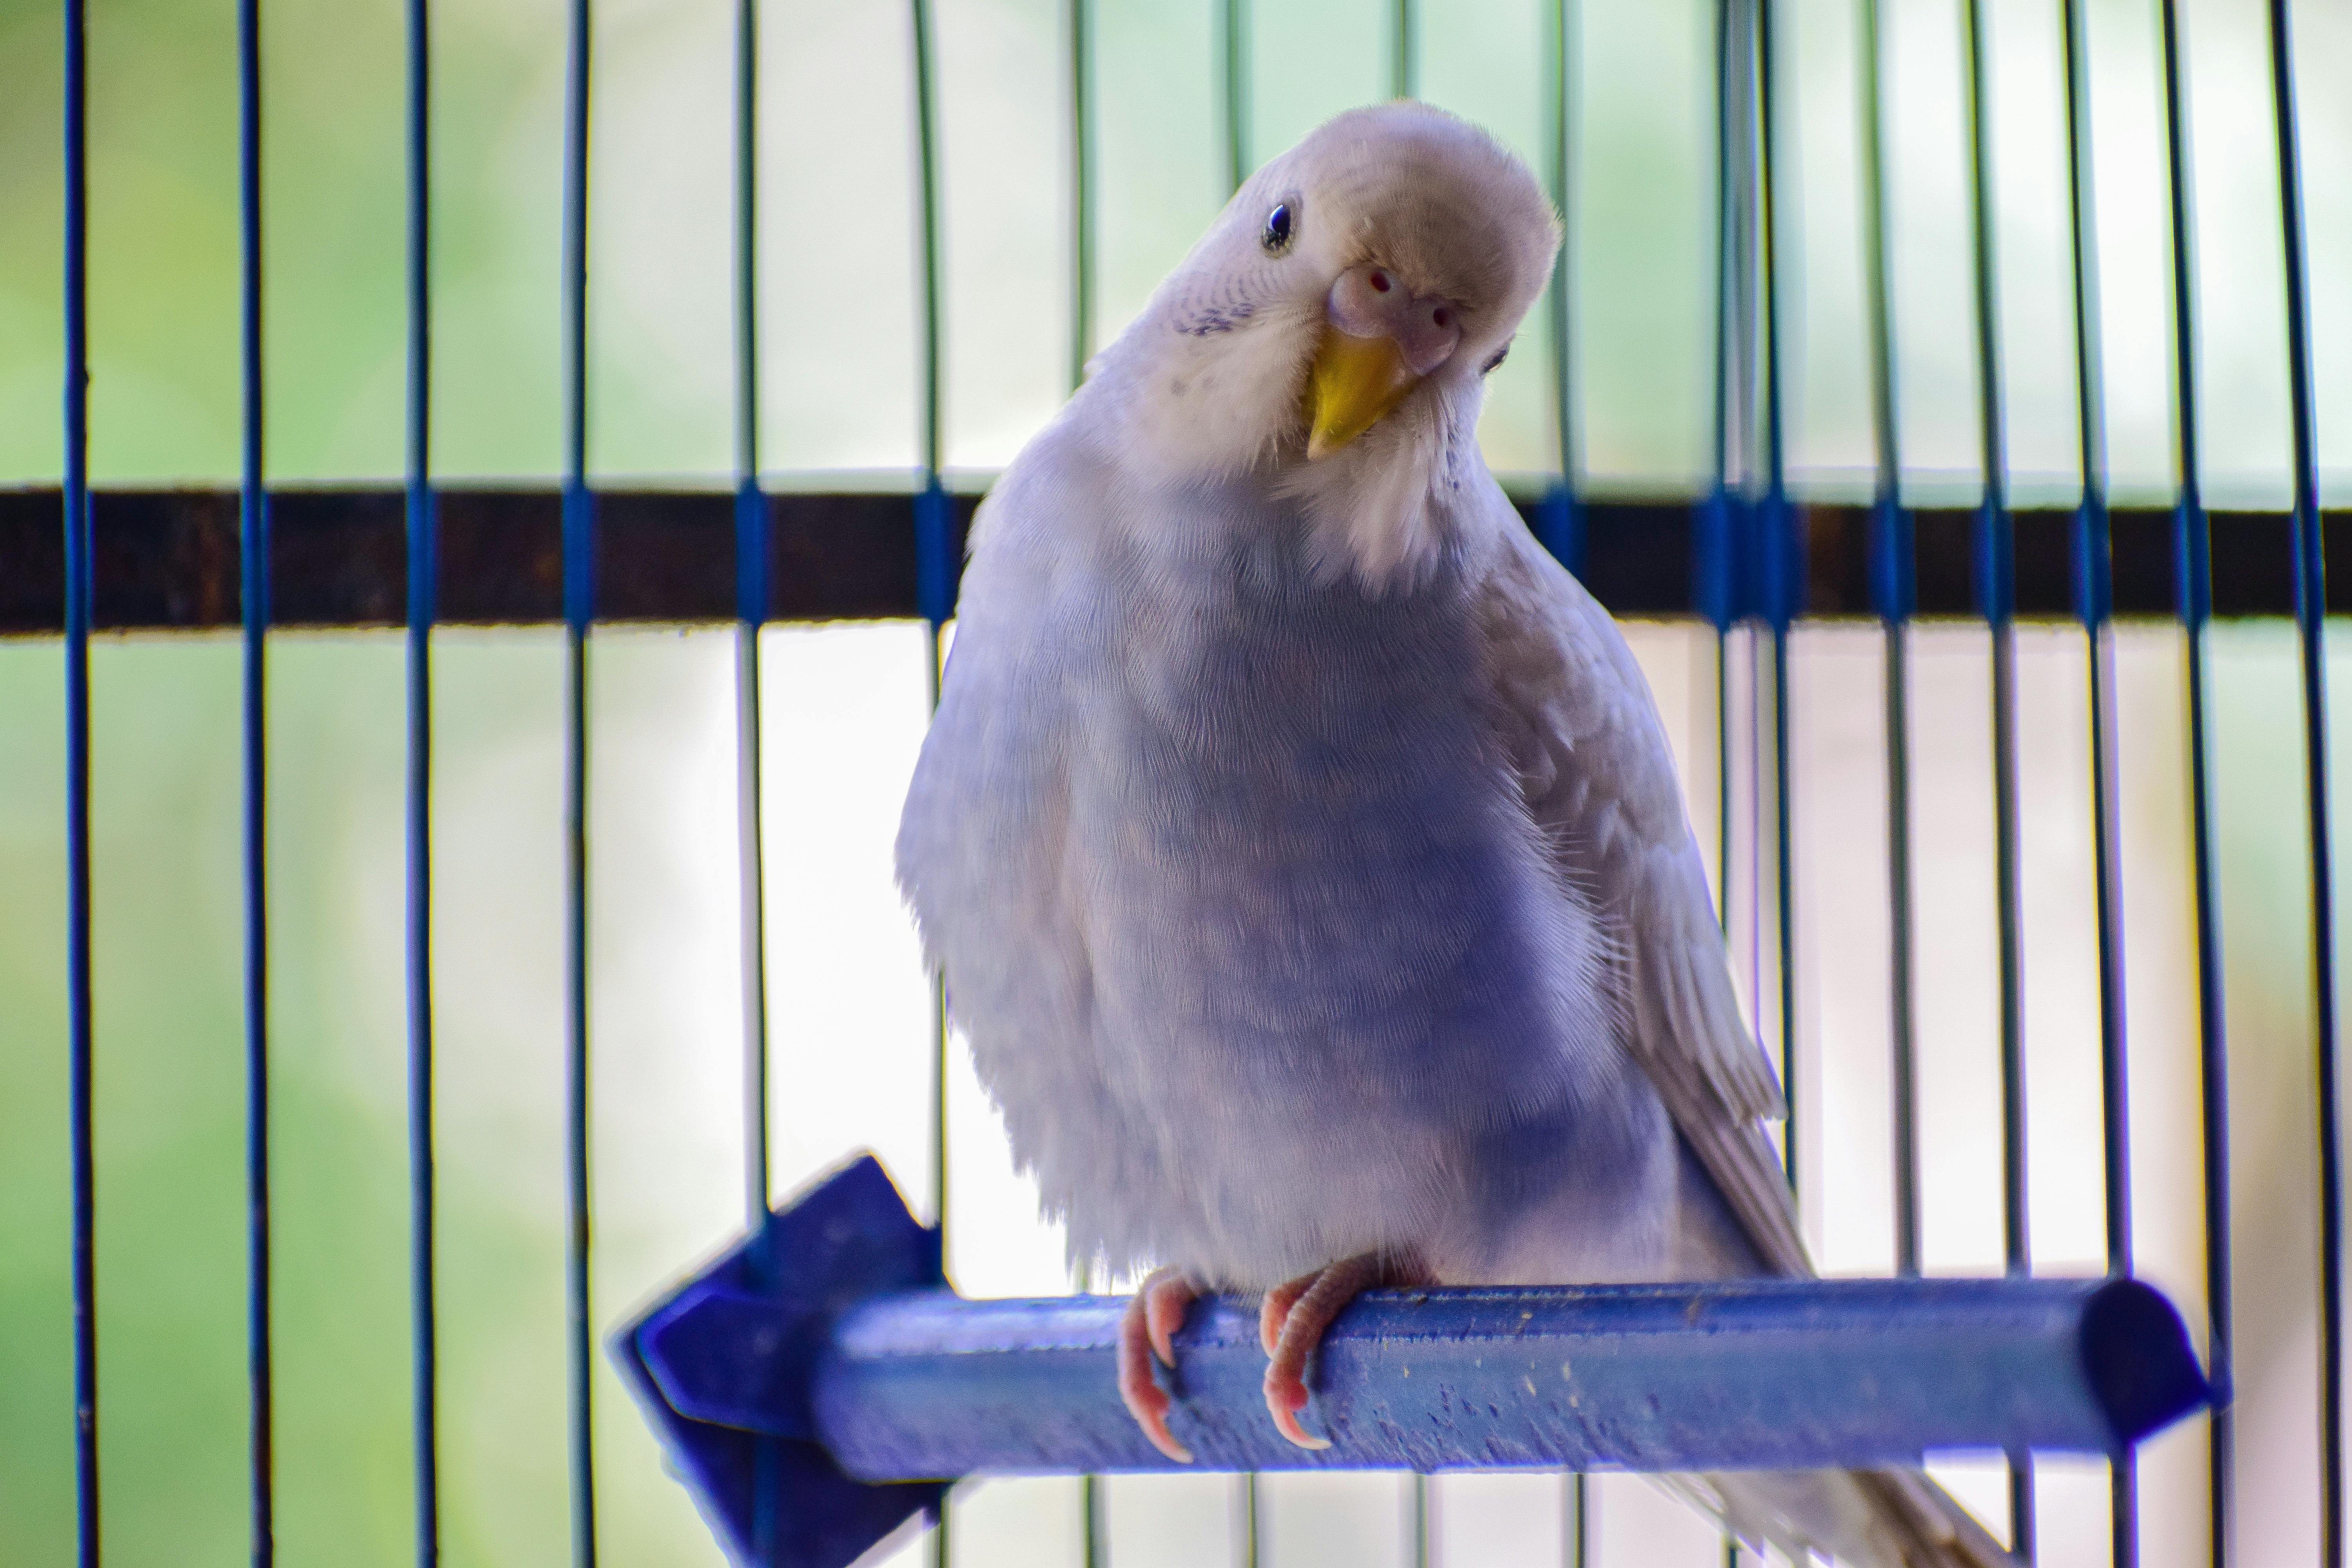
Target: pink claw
(1148,1328)
(1276,1310)
(1293,1321)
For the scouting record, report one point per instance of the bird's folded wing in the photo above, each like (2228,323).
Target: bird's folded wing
(1575,720)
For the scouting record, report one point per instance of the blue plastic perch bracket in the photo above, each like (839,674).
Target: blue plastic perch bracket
(829,1349)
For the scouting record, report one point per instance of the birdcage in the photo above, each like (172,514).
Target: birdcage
(1978,566)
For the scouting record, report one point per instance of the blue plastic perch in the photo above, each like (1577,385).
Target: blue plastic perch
(819,1385)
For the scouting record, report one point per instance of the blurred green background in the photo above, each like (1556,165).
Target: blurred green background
(840,389)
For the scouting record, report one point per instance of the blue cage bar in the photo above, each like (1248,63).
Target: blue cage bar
(423,566)
(253,604)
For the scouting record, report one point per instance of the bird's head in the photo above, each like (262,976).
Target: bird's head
(1336,322)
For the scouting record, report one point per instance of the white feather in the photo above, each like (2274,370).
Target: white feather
(1300,844)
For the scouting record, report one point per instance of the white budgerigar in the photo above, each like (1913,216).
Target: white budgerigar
(1300,843)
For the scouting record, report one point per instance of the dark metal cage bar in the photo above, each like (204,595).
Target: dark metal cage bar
(75,616)
(578,601)
(2310,599)
(253,555)
(423,564)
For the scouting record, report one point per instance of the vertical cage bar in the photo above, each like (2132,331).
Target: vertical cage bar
(424,572)
(80,1034)
(253,552)
(927,170)
(935,572)
(751,586)
(1723,587)
(1781,559)
(1892,593)
(1234,99)
(1404,78)
(2094,605)
(1995,577)
(1561,517)
(2192,540)
(1404,65)
(579,603)
(2310,615)
(1234,89)
(1711,545)
(1576,1526)
(1093,1517)
(931,543)
(1082,189)
(935,588)
(751,613)
(1724,550)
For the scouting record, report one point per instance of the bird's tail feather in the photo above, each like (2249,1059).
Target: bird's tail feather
(1866,1519)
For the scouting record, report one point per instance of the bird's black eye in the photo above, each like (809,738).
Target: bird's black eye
(1277,237)
(1498,357)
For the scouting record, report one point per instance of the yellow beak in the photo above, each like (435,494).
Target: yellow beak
(1354,382)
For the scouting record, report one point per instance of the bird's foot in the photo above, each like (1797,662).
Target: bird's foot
(1292,1322)
(1154,1313)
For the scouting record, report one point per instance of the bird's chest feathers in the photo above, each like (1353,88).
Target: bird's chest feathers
(1253,711)
(1289,821)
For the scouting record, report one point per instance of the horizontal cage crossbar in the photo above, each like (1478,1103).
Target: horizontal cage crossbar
(168,559)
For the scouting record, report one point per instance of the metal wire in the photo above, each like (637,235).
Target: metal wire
(2094,604)
(930,437)
(942,1553)
(751,613)
(1234,81)
(1713,569)
(2193,554)
(1563,512)
(1994,551)
(1712,572)
(2310,618)
(1093,1515)
(253,554)
(2094,595)
(1233,101)
(1404,65)
(77,597)
(927,161)
(1995,573)
(1723,518)
(931,547)
(1562,517)
(1892,593)
(1082,189)
(423,575)
(1404,73)
(1782,560)
(579,598)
